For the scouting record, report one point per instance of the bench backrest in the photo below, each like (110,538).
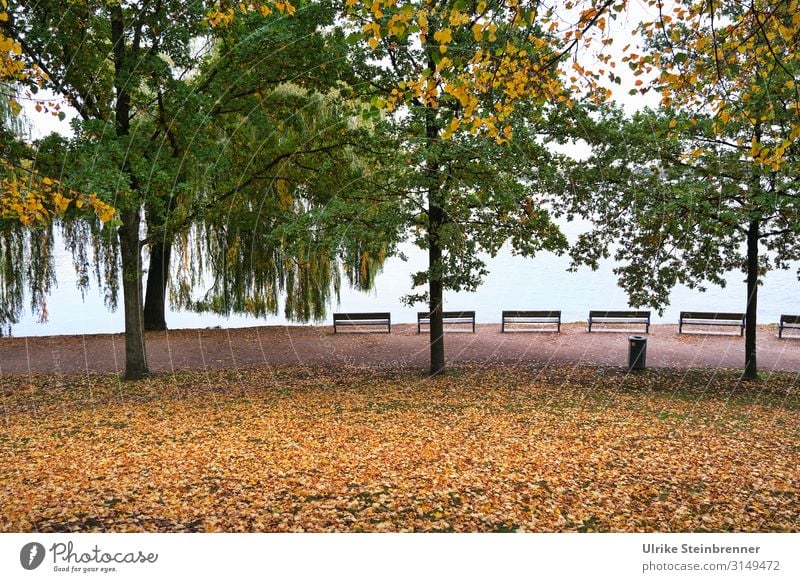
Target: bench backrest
(711,315)
(447,314)
(593,314)
(360,316)
(531,314)
(790,318)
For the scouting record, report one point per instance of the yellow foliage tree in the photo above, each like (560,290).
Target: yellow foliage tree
(728,75)
(458,71)
(36,199)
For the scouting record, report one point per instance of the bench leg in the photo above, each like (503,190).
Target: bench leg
(780,331)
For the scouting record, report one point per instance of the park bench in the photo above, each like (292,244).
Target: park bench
(358,319)
(633,317)
(530,318)
(448,317)
(788,322)
(711,318)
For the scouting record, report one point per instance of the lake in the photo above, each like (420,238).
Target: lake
(513,283)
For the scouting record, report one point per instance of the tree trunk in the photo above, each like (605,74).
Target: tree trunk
(128,233)
(135,352)
(435,288)
(435,222)
(750,364)
(157,277)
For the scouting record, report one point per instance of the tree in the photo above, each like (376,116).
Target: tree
(149,121)
(277,110)
(105,59)
(703,186)
(470,85)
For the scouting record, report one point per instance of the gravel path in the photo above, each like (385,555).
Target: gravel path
(403,348)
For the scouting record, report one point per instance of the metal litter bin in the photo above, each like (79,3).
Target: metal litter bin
(637,352)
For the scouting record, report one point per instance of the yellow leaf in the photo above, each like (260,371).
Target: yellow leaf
(61,203)
(443,36)
(106,214)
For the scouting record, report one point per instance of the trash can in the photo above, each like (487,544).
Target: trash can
(637,352)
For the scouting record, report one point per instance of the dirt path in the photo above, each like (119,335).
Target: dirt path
(403,348)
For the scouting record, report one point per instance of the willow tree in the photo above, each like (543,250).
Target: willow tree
(709,183)
(266,113)
(152,84)
(288,163)
(297,194)
(471,84)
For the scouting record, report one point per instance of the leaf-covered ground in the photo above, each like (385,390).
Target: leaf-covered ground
(483,449)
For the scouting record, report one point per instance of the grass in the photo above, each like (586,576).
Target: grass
(485,449)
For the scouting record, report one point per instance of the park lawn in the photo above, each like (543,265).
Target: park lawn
(482,449)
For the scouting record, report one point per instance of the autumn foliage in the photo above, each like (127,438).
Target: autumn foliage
(30,198)
(503,51)
(12,66)
(735,60)
(481,450)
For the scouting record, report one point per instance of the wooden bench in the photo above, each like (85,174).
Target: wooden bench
(352,319)
(788,322)
(448,317)
(529,318)
(636,317)
(711,318)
